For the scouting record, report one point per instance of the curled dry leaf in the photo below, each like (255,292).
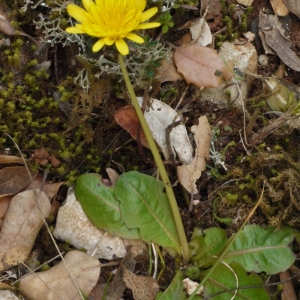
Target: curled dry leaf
(200,32)
(189,174)
(8,159)
(159,116)
(270,28)
(201,66)
(279,8)
(56,283)
(113,175)
(21,224)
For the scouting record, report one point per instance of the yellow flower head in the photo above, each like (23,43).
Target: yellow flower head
(112,21)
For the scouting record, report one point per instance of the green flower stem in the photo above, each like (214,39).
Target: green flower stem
(160,165)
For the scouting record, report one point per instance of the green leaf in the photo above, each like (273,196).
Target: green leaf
(165,28)
(224,279)
(262,249)
(204,245)
(144,205)
(101,207)
(175,291)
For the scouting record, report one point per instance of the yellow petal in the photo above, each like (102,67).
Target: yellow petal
(122,47)
(108,41)
(98,45)
(74,30)
(78,13)
(134,37)
(88,5)
(146,15)
(148,25)
(88,29)
(140,5)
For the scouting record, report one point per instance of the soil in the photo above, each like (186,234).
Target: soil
(263,163)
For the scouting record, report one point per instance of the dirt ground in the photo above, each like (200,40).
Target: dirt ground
(268,158)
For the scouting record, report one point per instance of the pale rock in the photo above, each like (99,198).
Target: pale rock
(250,36)
(73,225)
(245,2)
(263,60)
(7,295)
(242,59)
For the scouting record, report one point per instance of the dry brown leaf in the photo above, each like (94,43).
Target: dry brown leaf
(21,225)
(288,292)
(97,292)
(4,204)
(293,6)
(56,283)
(269,27)
(201,66)
(127,118)
(143,288)
(4,286)
(8,159)
(117,287)
(14,179)
(113,175)
(200,31)
(189,174)
(5,25)
(168,72)
(279,8)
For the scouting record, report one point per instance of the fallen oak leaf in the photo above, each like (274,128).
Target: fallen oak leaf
(201,66)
